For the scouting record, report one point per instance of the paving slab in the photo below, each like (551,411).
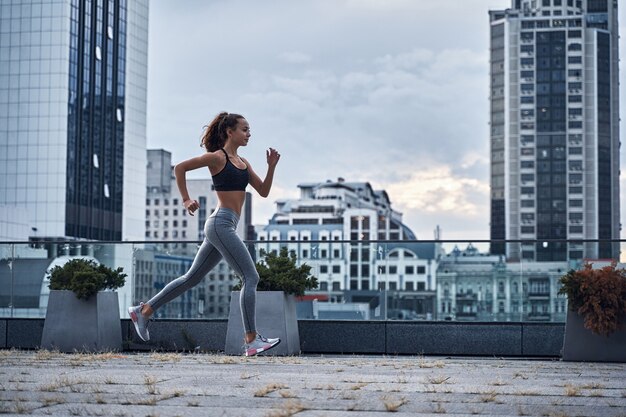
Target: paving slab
(198,384)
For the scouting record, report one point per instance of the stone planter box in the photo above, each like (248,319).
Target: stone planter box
(580,344)
(82,325)
(275,317)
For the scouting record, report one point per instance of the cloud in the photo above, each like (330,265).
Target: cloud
(438,190)
(295,57)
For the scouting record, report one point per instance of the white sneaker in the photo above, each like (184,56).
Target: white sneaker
(140,322)
(259,344)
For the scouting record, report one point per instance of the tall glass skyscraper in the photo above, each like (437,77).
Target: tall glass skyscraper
(555,129)
(73,116)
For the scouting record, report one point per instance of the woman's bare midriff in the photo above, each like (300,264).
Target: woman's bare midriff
(232,200)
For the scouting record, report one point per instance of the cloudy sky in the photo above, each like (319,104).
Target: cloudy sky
(392,92)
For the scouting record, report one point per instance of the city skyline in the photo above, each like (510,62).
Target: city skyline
(328,89)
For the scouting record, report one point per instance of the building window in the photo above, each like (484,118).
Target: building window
(409,270)
(409,286)
(421,270)
(365,270)
(336,269)
(354,270)
(574,47)
(575,150)
(323,269)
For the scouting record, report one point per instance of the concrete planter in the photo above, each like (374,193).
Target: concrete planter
(275,317)
(82,325)
(580,344)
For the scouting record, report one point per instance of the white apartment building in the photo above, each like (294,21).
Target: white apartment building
(354,241)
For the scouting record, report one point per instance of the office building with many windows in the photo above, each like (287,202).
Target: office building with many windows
(73,116)
(555,129)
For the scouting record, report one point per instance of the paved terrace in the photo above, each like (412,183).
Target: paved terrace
(174,384)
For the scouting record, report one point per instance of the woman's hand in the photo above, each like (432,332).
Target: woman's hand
(191,206)
(272,157)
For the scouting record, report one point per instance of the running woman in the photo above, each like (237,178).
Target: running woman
(231,174)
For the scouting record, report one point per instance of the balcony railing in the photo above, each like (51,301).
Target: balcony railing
(359,279)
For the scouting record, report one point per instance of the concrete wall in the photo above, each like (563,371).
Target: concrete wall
(340,336)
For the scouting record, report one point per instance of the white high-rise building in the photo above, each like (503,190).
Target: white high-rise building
(555,129)
(73,116)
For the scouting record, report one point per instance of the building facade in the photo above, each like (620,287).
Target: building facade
(474,286)
(555,129)
(357,246)
(73,116)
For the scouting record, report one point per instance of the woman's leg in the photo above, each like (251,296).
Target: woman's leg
(223,235)
(206,258)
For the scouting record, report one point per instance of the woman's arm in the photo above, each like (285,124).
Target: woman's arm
(180,171)
(264,187)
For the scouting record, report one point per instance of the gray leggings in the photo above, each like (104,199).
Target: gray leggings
(220,240)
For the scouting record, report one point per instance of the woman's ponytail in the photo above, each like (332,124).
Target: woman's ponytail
(215,136)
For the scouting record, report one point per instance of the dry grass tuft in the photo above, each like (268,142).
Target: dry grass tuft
(48,401)
(223,359)
(422,363)
(287,394)
(571,390)
(290,408)
(593,385)
(392,404)
(358,386)
(488,397)
(436,380)
(166,357)
(150,383)
(269,388)
(44,355)
(59,383)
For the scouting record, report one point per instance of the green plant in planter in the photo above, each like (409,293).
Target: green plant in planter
(598,295)
(85,277)
(280,273)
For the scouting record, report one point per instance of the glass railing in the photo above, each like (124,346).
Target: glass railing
(458,280)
